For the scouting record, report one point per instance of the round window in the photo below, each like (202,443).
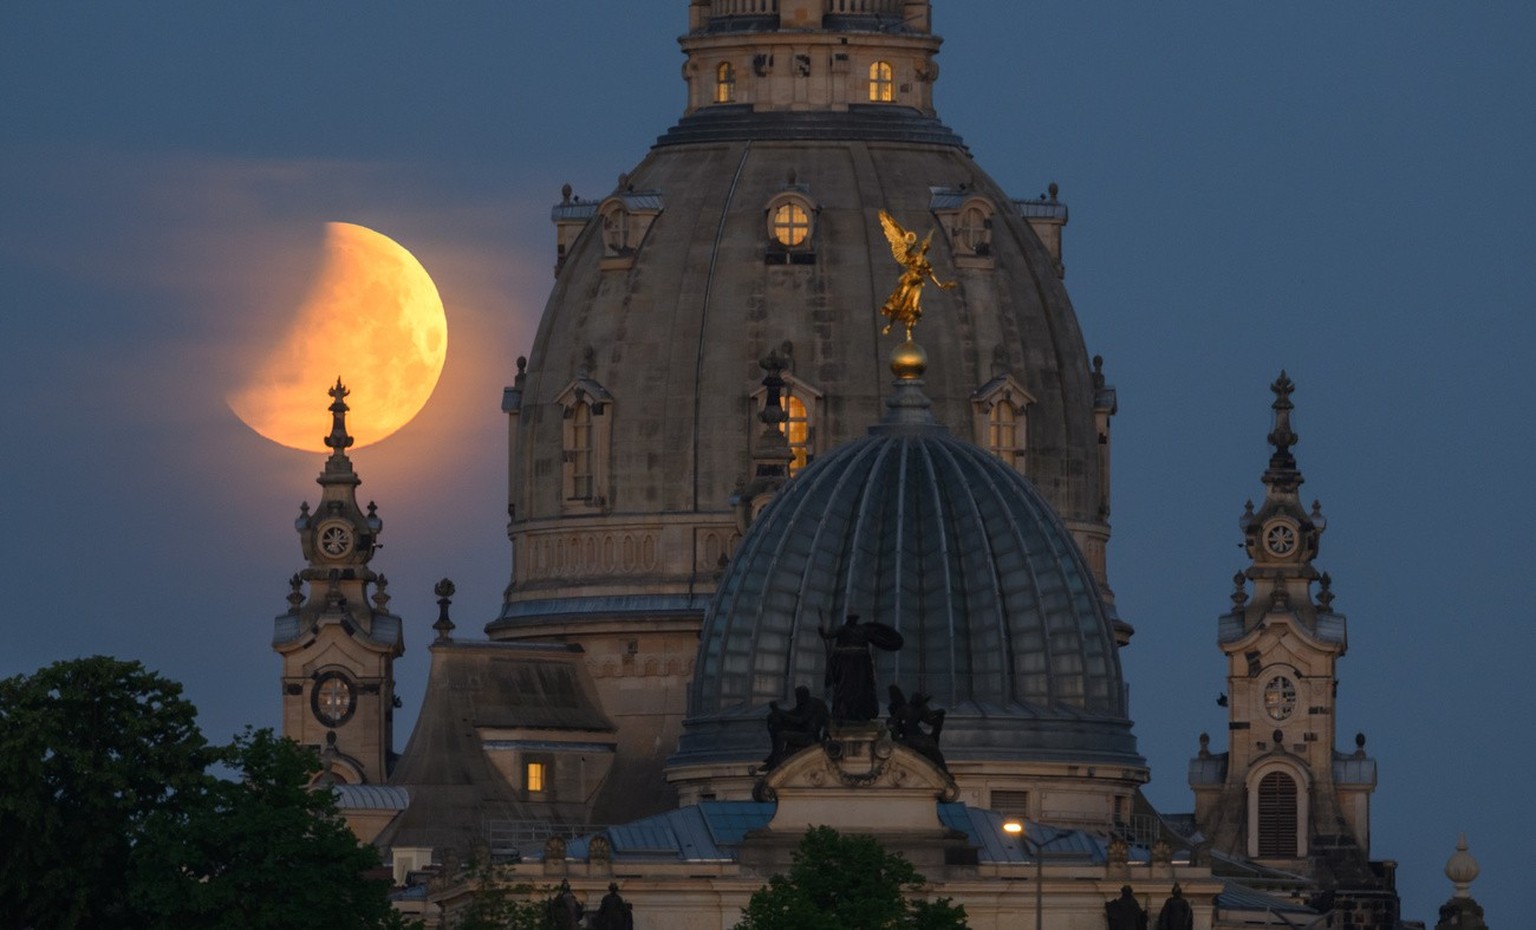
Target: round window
(333,699)
(1280,698)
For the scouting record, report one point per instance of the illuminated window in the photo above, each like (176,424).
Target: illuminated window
(725,83)
(791,225)
(533,776)
(801,405)
(1003,432)
(1277,817)
(579,453)
(797,429)
(973,234)
(882,87)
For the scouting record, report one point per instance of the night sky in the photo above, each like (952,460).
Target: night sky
(1344,191)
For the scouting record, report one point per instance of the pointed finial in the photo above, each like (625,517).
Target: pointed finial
(381,596)
(1246,520)
(1205,745)
(295,593)
(444,626)
(302,523)
(1240,591)
(374,523)
(773,407)
(1325,593)
(338,440)
(565,192)
(1282,437)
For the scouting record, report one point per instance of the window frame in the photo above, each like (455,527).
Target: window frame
(725,82)
(882,82)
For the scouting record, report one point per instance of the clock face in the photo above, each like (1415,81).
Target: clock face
(1280,698)
(333,699)
(1280,539)
(336,540)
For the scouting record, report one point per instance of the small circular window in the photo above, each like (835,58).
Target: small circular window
(1280,698)
(791,225)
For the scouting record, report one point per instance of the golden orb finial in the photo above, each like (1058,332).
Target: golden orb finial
(908,361)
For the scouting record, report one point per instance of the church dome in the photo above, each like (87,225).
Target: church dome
(1002,620)
(751,229)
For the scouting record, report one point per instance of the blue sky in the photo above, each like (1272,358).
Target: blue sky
(1341,190)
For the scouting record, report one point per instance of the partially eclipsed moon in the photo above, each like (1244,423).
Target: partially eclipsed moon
(372,318)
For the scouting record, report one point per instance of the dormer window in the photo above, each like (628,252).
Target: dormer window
(616,231)
(973,233)
(725,83)
(801,404)
(588,415)
(580,452)
(1003,433)
(882,82)
(626,217)
(1000,417)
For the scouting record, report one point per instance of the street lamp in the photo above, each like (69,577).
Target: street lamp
(1015,828)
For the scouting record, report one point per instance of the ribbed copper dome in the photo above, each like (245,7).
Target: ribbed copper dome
(913,528)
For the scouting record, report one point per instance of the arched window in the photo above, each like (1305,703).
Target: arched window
(801,404)
(587,423)
(725,83)
(616,231)
(791,225)
(797,429)
(1003,432)
(973,234)
(1000,418)
(882,85)
(579,453)
(1277,823)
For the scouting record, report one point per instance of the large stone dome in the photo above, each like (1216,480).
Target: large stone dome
(910,527)
(751,228)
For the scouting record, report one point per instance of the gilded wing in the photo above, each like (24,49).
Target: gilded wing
(900,240)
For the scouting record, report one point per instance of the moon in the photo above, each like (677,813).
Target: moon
(373,318)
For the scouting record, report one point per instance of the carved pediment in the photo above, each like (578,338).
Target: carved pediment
(866,761)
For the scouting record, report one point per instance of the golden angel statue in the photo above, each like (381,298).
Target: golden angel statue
(905,306)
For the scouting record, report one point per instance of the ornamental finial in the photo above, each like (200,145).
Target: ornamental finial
(1282,437)
(338,440)
(444,590)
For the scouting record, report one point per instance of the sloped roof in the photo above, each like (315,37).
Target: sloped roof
(455,790)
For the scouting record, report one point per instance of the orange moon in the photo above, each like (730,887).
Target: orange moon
(373,317)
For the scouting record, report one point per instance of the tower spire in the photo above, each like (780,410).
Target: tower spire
(337,649)
(1282,474)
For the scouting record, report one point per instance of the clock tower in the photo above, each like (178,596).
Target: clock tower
(337,642)
(1282,794)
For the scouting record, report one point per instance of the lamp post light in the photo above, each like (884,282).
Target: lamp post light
(1015,828)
